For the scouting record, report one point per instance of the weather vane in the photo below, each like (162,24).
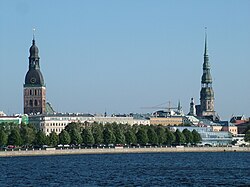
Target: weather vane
(34,33)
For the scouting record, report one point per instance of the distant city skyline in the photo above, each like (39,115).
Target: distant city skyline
(120,56)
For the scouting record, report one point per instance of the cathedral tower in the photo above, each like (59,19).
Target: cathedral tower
(206,94)
(34,87)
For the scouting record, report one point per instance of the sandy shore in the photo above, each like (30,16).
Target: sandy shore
(11,153)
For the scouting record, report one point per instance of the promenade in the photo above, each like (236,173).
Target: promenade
(53,151)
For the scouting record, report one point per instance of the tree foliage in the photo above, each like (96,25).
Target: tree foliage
(119,135)
(109,136)
(152,136)
(28,134)
(170,137)
(75,137)
(41,138)
(188,136)
(15,137)
(160,131)
(64,138)
(97,133)
(94,133)
(87,136)
(247,136)
(130,136)
(179,137)
(196,137)
(3,138)
(141,135)
(53,138)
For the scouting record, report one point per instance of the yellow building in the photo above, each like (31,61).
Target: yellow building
(167,121)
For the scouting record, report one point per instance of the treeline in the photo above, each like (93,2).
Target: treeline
(89,134)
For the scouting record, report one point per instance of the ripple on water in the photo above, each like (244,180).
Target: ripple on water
(150,169)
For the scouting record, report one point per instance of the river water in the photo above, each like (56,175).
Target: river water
(148,169)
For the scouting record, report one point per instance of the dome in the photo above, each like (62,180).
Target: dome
(34,77)
(34,50)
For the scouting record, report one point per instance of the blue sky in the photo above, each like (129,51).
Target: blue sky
(120,56)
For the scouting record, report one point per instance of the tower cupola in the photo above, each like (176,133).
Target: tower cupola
(34,50)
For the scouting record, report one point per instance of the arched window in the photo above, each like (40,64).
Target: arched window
(30,92)
(31,102)
(35,103)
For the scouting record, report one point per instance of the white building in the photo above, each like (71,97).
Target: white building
(57,122)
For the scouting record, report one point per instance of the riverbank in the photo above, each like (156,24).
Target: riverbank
(52,151)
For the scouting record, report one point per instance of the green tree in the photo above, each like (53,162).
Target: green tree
(196,137)
(87,136)
(179,137)
(170,137)
(75,137)
(109,136)
(130,137)
(73,126)
(15,137)
(152,136)
(247,136)
(160,131)
(64,137)
(97,133)
(119,135)
(188,136)
(54,138)
(41,138)
(3,137)
(27,134)
(141,136)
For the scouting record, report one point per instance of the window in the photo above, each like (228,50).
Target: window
(31,102)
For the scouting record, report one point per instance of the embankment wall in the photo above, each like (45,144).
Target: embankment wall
(121,150)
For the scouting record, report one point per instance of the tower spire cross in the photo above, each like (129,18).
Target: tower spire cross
(205,52)
(33,33)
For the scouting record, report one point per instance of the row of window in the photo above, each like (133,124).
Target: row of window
(35,102)
(32,92)
(54,124)
(51,130)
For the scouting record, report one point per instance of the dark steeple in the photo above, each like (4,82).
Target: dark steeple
(206,77)
(34,75)
(34,88)
(206,93)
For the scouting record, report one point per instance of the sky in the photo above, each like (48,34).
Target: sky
(119,56)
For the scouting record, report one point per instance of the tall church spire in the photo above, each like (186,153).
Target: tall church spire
(205,51)
(206,93)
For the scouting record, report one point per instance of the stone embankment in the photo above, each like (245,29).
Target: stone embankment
(53,151)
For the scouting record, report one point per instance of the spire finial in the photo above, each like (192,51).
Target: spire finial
(205,52)
(33,35)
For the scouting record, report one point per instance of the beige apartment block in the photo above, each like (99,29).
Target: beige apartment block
(168,121)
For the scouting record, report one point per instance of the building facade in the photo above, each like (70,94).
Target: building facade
(17,119)
(57,122)
(167,121)
(208,135)
(34,90)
